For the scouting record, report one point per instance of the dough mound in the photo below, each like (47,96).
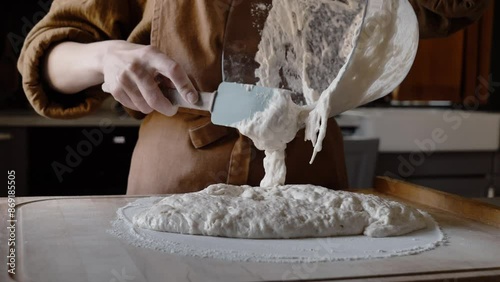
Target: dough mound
(293,211)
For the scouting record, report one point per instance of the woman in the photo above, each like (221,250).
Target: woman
(82,48)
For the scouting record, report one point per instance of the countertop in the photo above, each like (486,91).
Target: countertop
(429,129)
(493,201)
(108,113)
(398,129)
(29,118)
(63,249)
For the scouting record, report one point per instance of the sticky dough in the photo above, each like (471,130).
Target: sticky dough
(293,211)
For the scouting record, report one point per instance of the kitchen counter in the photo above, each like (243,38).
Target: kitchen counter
(451,150)
(492,201)
(428,130)
(106,114)
(399,129)
(28,118)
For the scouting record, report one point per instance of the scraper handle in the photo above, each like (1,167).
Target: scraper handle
(205,102)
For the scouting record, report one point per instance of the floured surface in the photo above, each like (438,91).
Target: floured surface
(57,232)
(277,250)
(293,211)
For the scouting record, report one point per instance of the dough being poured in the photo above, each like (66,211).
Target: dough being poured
(308,46)
(293,211)
(271,130)
(304,45)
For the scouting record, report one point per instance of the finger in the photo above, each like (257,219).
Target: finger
(133,93)
(120,96)
(164,82)
(153,94)
(123,99)
(178,76)
(106,88)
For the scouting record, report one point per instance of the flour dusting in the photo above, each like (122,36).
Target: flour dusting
(305,250)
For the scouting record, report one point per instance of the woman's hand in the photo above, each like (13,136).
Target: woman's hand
(132,73)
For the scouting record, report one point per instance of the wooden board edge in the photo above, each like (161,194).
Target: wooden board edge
(457,205)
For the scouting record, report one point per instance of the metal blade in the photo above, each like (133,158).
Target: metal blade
(250,99)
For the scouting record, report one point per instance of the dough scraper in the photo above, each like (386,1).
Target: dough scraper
(237,97)
(231,103)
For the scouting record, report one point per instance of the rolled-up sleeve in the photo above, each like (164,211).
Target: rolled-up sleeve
(440,18)
(77,21)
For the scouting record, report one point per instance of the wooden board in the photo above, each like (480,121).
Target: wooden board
(65,239)
(460,206)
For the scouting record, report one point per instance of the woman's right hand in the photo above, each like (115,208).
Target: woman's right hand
(132,74)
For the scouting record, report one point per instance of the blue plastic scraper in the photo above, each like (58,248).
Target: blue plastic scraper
(230,104)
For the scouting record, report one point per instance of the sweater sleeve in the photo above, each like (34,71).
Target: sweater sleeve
(77,21)
(440,18)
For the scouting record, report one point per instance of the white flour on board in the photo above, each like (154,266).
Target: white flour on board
(305,250)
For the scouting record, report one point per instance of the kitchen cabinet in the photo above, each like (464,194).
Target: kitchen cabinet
(449,69)
(13,156)
(423,146)
(496,175)
(361,160)
(467,174)
(496,185)
(68,161)
(79,160)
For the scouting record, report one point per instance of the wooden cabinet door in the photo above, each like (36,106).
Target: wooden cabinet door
(437,71)
(452,68)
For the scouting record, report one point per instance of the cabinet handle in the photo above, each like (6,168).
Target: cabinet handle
(119,140)
(6,136)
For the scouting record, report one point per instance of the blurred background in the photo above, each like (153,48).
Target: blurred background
(440,128)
